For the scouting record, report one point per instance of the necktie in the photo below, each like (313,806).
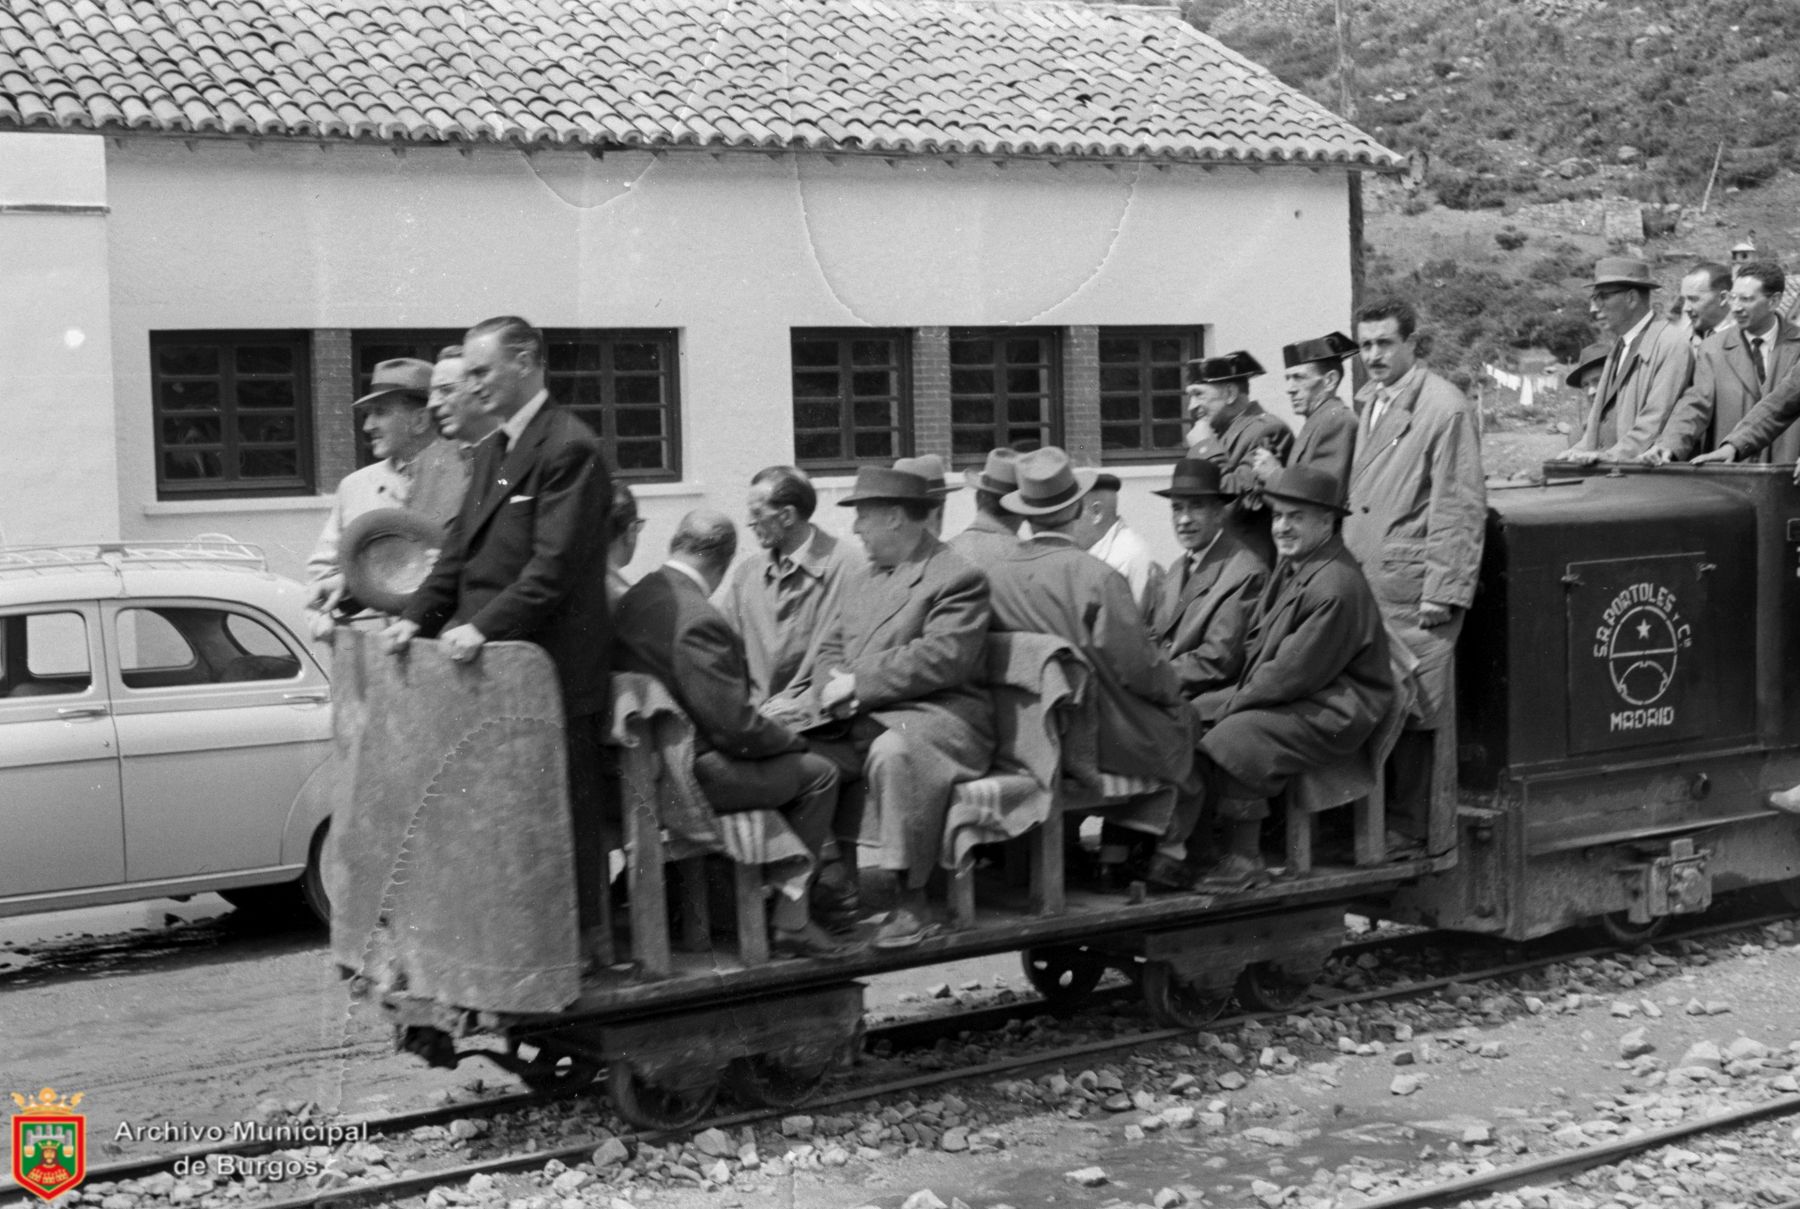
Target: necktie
(1756,358)
(1612,366)
(502,442)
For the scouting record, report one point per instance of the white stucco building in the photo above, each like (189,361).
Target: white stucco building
(771,231)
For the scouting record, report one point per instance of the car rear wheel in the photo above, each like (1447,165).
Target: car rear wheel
(302,901)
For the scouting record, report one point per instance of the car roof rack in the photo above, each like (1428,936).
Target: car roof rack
(207,548)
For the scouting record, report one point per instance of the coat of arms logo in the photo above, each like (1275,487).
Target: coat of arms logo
(49,1143)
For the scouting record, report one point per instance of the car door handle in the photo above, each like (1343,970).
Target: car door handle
(306,698)
(82,711)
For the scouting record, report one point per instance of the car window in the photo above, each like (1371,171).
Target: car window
(44,654)
(166,646)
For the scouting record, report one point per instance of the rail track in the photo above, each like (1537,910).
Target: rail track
(911,1034)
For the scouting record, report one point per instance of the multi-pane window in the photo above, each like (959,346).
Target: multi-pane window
(1005,389)
(852,404)
(624,384)
(1141,392)
(232,413)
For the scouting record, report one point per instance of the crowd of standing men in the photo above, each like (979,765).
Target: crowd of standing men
(1318,596)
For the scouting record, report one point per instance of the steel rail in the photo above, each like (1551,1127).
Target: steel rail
(1582,1160)
(407,1185)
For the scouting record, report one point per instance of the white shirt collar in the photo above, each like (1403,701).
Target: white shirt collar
(677,565)
(514,428)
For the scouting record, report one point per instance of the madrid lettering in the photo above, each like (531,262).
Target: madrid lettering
(1641,636)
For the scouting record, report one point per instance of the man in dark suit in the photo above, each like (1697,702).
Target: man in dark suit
(1745,395)
(1219,394)
(525,558)
(1316,681)
(743,761)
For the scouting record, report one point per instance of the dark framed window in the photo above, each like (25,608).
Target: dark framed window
(370,348)
(1005,389)
(623,382)
(852,397)
(233,413)
(1141,396)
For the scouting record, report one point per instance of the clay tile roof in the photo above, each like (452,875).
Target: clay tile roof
(1051,78)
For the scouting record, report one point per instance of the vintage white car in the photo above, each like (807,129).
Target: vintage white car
(159,713)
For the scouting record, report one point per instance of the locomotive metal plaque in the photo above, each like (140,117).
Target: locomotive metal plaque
(1636,652)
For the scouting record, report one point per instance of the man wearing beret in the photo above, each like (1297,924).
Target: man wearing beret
(1316,678)
(900,661)
(1327,441)
(414,469)
(1649,365)
(1418,516)
(1219,388)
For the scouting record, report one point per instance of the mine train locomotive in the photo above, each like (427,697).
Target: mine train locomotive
(1627,701)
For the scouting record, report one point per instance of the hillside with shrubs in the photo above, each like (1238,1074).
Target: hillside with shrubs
(1517,112)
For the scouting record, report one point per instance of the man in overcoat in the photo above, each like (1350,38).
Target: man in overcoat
(1650,364)
(901,660)
(1048,584)
(525,558)
(1741,404)
(1417,519)
(743,761)
(1327,440)
(1317,678)
(1219,390)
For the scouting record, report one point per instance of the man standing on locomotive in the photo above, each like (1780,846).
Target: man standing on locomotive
(743,761)
(1417,516)
(1650,365)
(1747,381)
(525,558)
(1316,680)
(901,661)
(1315,371)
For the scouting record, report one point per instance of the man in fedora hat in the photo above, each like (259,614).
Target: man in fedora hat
(1315,372)
(1649,365)
(1203,610)
(930,467)
(1105,535)
(1316,678)
(1048,585)
(994,532)
(1584,376)
(1219,388)
(1737,404)
(899,659)
(414,469)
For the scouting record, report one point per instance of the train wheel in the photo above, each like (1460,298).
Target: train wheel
(675,1104)
(550,1071)
(1265,986)
(1618,928)
(1174,1003)
(774,1080)
(1063,974)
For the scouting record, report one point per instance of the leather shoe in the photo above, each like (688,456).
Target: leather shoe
(810,941)
(1172,876)
(1236,872)
(903,930)
(1787,799)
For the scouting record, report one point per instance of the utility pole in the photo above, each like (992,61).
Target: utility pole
(1346,61)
